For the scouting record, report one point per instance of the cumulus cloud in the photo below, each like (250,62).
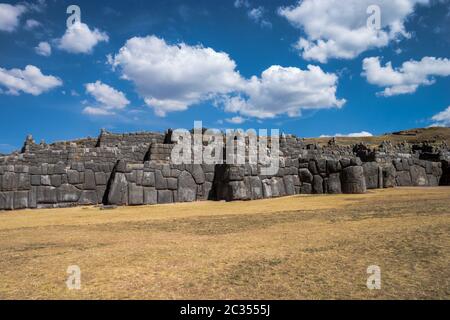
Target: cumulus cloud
(442,119)
(350,135)
(282,90)
(10,16)
(43,49)
(93,111)
(257,16)
(79,38)
(408,77)
(174,77)
(241,3)
(339,30)
(235,120)
(31,24)
(107,97)
(30,80)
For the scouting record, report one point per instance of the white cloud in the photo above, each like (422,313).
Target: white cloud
(30,80)
(257,16)
(80,39)
(235,120)
(241,3)
(173,77)
(408,77)
(442,119)
(108,97)
(289,90)
(31,24)
(93,111)
(44,49)
(339,30)
(10,15)
(350,135)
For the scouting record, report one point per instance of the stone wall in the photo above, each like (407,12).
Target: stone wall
(135,169)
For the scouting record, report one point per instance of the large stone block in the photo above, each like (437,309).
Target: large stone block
(266,188)
(35,180)
(306,188)
(403,179)
(68,193)
(23,181)
(73,177)
(118,192)
(289,185)
(56,180)
(317,184)
(305,175)
(148,179)
(135,194)
(371,174)
(237,190)
(165,196)
(88,197)
(353,180)
(89,180)
(256,187)
(46,195)
(389,174)
(9,181)
(20,200)
(187,188)
(150,195)
(333,166)
(7,200)
(160,181)
(333,184)
(100,178)
(418,176)
(277,185)
(172,183)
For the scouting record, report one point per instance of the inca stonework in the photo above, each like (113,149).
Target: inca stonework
(135,169)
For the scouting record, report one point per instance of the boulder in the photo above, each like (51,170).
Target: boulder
(353,180)
(371,174)
(305,175)
(68,193)
(317,185)
(135,194)
(418,176)
(118,192)
(333,184)
(187,188)
(165,196)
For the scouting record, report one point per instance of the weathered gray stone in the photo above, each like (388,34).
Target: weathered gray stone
(23,181)
(256,187)
(267,188)
(56,180)
(333,166)
(306,188)
(353,180)
(88,197)
(418,176)
(305,175)
(89,180)
(68,193)
(118,192)
(172,183)
(9,182)
(20,200)
(7,200)
(278,189)
(135,194)
(289,185)
(317,184)
(237,190)
(165,196)
(100,178)
(46,195)
(32,198)
(148,179)
(187,188)
(150,195)
(389,174)
(73,176)
(45,180)
(160,181)
(371,175)
(403,179)
(333,184)
(35,180)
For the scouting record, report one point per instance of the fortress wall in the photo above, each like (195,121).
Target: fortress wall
(135,169)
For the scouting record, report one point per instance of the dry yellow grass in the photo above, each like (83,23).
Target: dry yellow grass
(301,247)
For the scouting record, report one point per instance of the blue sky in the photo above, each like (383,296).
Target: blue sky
(241,65)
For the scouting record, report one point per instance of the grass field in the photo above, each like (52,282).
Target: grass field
(301,247)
